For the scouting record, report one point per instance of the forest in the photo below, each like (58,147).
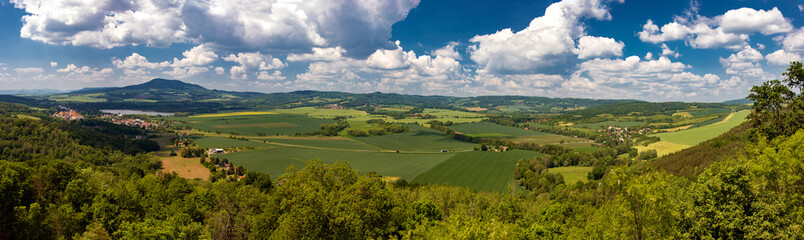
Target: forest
(73,180)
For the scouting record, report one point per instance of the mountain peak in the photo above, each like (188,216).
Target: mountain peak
(160,83)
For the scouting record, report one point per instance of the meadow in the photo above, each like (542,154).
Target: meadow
(608,123)
(275,161)
(267,123)
(478,170)
(419,139)
(487,129)
(572,174)
(676,141)
(694,136)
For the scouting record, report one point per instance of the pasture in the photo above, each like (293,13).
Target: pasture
(478,170)
(419,139)
(693,136)
(662,147)
(268,123)
(276,160)
(608,123)
(487,129)
(572,174)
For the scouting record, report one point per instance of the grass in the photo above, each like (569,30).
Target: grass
(339,143)
(663,147)
(220,142)
(572,174)
(589,149)
(189,168)
(275,161)
(709,111)
(694,136)
(446,113)
(23,116)
(231,114)
(607,124)
(420,139)
(248,124)
(481,171)
(78,98)
(487,129)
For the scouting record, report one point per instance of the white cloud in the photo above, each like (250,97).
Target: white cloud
(200,55)
(220,70)
(745,65)
(389,59)
(138,61)
(448,51)
(265,75)
(250,63)
(547,43)
(592,47)
(54,64)
(747,20)
(782,58)
(648,56)
(319,54)
(669,32)
(359,26)
(730,30)
(794,42)
(29,71)
(666,51)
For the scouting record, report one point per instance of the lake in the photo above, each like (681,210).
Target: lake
(126,112)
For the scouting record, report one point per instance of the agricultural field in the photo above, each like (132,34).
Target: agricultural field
(572,174)
(444,115)
(709,111)
(481,171)
(487,129)
(222,142)
(675,141)
(608,123)
(88,98)
(331,142)
(419,139)
(267,123)
(694,136)
(276,160)
(185,167)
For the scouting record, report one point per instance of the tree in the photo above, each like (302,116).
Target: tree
(794,76)
(769,99)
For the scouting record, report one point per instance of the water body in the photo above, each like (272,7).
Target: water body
(125,112)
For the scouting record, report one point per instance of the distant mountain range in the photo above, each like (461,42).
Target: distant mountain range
(177,96)
(28,92)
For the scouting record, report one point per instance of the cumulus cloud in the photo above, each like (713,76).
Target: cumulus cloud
(54,64)
(747,20)
(666,51)
(592,47)
(794,42)
(448,51)
(359,26)
(138,61)
(782,58)
(730,30)
(319,54)
(547,43)
(220,70)
(251,62)
(745,65)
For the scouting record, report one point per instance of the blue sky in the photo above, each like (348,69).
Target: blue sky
(648,50)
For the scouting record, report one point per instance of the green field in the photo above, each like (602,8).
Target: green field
(481,171)
(607,124)
(220,142)
(343,143)
(694,136)
(420,139)
(572,174)
(487,129)
(97,97)
(250,125)
(709,111)
(274,161)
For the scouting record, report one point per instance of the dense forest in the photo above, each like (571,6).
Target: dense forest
(60,180)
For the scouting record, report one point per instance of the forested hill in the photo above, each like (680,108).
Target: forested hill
(173,96)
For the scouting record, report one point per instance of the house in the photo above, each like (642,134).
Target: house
(216,150)
(502,148)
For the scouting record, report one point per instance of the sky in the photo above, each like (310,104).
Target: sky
(703,50)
